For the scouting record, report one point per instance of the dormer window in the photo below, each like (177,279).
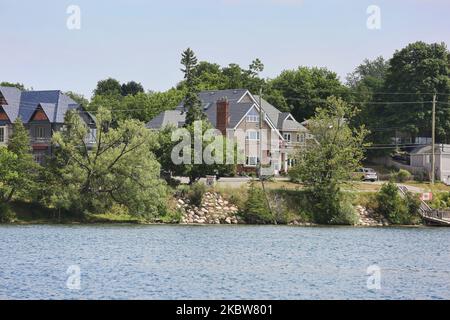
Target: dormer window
(252,116)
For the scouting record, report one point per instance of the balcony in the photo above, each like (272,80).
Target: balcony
(41,140)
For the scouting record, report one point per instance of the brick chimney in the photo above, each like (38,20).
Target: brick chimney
(223,115)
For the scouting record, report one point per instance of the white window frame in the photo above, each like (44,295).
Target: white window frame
(286,135)
(300,137)
(4,136)
(252,118)
(248,135)
(250,163)
(92,135)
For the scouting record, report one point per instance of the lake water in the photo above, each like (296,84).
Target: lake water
(223,262)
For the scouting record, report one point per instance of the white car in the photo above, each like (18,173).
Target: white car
(368,174)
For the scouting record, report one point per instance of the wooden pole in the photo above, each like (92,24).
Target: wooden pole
(433,141)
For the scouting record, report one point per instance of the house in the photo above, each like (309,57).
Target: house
(237,110)
(422,157)
(42,113)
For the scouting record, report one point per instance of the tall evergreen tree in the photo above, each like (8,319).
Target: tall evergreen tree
(192,103)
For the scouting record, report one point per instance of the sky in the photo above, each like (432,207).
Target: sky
(142,40)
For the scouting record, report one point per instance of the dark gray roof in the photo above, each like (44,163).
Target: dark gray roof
(278,118)
(178,116)
(211,96)
(23,104)
(12,97)
(169,117)
(237,110)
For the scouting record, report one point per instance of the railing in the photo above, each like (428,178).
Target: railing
(45,140)
(436,216)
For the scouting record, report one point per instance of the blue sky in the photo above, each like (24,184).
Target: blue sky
(142,40)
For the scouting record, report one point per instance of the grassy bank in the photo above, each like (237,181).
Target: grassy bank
(30,213)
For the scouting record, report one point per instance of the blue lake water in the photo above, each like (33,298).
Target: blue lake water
(223,262)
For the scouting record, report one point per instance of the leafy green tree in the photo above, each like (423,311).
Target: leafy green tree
(191,101)
(300,91)
(367,84)
(17,85)
(18,171)
(418,71)
(396,209)
(131,88)
(328,161)
(119,169)
(78,98)
(108,87)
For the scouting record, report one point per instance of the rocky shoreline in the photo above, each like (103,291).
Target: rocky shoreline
(214,209)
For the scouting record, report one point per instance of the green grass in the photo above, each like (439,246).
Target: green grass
(31,213)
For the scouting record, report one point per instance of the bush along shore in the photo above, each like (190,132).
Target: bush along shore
(249,204)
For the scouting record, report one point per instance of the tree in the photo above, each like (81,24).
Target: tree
(303,89)
(328,161)
(17,85)
(18,170)
(131,88)
(396,209)
(119,169)
(415,73)
(370,70)
(108,87)
(78,98)
(191,101)
(367,84)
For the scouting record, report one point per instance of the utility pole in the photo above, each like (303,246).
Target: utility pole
(433,141)
(260,151)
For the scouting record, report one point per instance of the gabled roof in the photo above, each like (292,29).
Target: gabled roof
(12,97)
(169,117)
(438,149)
(238,108)
(23,104)
(282,120)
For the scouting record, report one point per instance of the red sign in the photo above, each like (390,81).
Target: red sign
(427,196)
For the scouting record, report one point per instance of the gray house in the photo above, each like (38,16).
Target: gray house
(422,157)
(42,113)
(238,110)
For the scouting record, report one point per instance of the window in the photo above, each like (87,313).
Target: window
(252,161)
(40,132)
(39,157)
(92,136)
(2,134)
(300,137)
(287,137)
(252,118)
(252,135)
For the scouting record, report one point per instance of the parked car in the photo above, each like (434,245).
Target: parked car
(368,174)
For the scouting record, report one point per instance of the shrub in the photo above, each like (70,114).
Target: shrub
(396,209)
(6,214)
(402,176)
(347,214)
(196,192)
(256,209)
(441,200)
(237,196)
